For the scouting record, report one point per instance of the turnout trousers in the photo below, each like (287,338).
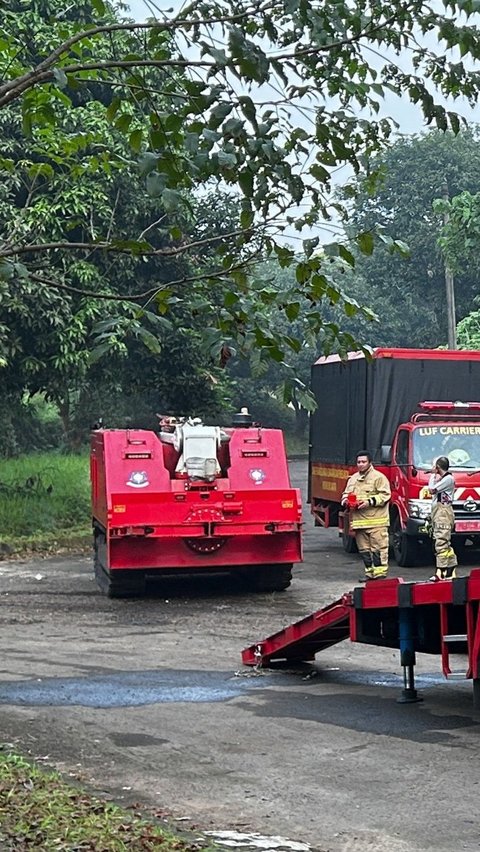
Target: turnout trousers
(443,525)
(372,546)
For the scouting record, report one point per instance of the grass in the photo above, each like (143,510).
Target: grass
(44,501)
(38,810)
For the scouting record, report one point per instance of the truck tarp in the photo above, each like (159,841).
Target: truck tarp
(361,402)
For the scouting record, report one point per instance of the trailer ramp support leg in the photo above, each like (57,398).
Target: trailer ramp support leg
(407,656)
(476,693)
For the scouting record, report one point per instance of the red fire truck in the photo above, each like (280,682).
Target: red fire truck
(407,407)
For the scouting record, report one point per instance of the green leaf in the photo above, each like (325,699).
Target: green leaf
(27,120)
(230,298)
(303,272)
(248,108)
(346,255)
(309,246)
(454,122)
(99,351)
(123,122)
(220,112)
(113,108)
(7,270)
(149,340)
(350,307)
(292,310)
(191,141)
(319,172)
(163,301)
(44,169)
(155,184)
(318,286)
(306,400)
(331,249)
(225,159)
(246,217)
(233,127)
(219,56)
(21,271)
(211,135)
(147,163)
(284,254)
(171,199)
(365,242)
(245,182)
(293,343)
(135,140)
(276,353)
(60,78)
(402,247)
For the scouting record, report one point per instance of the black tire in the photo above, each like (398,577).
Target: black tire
(272,578)
(120,584)
(466,553)
(100,573)
(405,548)
(348,541)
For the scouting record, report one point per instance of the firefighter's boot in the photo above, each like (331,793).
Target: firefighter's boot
(437,576)
(367,561)
(379,571)
(446,570)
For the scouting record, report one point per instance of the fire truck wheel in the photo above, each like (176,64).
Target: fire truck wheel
(121,584)
(272,578)
(405,548)
(349,543)
(124,584)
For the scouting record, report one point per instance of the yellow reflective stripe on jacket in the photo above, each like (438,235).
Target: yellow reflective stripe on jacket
(366,523)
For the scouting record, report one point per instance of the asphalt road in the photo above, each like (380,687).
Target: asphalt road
(147,700)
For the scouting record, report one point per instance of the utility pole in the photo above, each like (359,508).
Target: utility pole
(449,286)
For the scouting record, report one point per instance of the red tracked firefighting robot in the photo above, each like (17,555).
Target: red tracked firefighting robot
(193,499)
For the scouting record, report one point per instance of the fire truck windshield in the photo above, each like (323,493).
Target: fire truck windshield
(461,445)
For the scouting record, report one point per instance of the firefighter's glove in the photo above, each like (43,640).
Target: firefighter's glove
(427,527)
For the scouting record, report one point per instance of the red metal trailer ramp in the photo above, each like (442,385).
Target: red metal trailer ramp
(440,618)
(302,640)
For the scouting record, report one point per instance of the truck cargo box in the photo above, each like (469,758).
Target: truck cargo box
(360,402)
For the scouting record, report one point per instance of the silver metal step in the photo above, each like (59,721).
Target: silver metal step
(457,676)
(455,637)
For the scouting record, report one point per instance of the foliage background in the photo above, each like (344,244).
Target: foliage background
(149,174)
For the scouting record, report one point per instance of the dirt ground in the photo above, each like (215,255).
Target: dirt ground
(147,701)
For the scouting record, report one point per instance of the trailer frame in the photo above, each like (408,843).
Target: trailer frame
(439,618)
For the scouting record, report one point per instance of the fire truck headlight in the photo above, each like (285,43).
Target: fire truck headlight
(419,508)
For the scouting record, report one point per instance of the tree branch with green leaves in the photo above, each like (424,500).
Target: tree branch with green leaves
(209,100)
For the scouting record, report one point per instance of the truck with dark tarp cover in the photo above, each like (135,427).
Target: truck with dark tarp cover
(406,407)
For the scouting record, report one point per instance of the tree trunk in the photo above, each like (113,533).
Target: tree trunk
(301,422)
(64,412)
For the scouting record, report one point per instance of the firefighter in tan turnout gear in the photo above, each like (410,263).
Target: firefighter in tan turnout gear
(366,497)
(442,487)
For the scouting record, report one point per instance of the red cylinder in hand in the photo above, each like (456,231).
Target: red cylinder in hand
(352,501)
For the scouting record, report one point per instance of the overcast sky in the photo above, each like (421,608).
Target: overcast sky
(406,114)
